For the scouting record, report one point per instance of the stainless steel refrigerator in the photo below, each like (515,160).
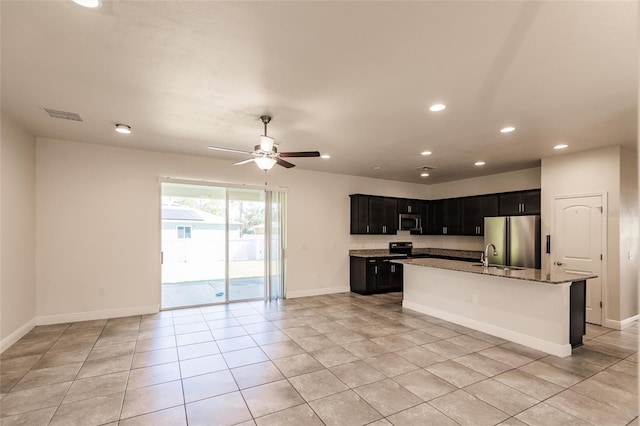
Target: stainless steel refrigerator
(517,240)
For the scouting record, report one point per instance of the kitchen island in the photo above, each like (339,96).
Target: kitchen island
(536,308)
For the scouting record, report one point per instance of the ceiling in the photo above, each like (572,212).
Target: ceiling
(350,79)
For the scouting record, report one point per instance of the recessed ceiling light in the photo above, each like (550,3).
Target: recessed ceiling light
(376,167)
(425,153)
(437,107)
(325,156)
(479,163)
(424,174)
(123,128)
(507,129)
(561,146)
(88,3)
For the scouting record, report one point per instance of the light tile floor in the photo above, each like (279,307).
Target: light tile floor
(339,359)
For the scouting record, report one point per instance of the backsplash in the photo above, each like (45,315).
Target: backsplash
(419,241)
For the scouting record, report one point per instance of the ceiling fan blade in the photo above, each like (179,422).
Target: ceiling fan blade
(300,154)
(217,148)
(248,160)
(283,163)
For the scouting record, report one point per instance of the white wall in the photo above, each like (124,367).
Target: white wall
(17,225)
(98,223)
(594,171)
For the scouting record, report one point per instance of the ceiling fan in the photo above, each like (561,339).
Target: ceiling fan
(266,154)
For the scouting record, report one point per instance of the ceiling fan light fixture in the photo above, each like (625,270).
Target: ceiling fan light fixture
(266,143)
(437,107)
(123,128)
(325,156)
(265,163)
(507,129)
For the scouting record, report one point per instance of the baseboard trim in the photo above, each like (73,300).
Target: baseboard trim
(317,292)
(621,325)
(504,333)
(95,315)
(17,335)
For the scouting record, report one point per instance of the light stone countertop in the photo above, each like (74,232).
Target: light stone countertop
(526,274)
(464,254)
(374,253)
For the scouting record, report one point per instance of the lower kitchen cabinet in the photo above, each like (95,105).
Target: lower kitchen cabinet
(371,275)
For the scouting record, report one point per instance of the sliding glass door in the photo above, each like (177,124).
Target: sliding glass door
(246,246)
(220,244)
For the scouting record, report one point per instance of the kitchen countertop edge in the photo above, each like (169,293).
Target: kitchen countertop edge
(527,274)
(468,254)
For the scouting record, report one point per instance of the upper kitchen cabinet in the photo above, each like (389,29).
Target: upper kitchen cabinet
(446,217)
(408,206)
(373,215)
(519,203)
(473,212)
(426,214)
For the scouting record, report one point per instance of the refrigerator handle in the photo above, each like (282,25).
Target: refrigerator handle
(548,244)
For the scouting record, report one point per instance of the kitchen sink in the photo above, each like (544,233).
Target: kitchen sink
(502,267)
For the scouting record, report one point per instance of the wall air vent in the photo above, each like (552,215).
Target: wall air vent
(425,168)
(65,115)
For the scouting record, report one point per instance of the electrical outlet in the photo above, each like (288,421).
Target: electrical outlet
(630,255)
(102,291)
(474,298)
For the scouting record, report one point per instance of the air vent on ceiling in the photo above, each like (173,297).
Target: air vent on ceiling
(425,168)
(65,115)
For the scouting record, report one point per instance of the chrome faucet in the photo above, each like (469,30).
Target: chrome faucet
(484,257)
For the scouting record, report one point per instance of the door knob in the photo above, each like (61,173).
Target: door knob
(557,263)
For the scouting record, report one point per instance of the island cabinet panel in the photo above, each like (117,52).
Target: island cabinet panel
(369,275)
(474,210)
(578,312)
(373,215)
(446,217)
(519,203)
(544,310)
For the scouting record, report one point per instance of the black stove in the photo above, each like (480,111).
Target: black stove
(401,247)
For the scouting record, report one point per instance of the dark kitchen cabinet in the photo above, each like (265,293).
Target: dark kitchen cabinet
(409,206)
(473,212)
(520,203)
(359,214)
(383,215)
(369,275)
(446,217)
(531,202)
(377,215)
(426,214)
(373,215)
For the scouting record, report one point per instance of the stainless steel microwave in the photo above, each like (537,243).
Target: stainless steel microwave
(409,222)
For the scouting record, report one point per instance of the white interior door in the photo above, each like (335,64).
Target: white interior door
(578,245)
